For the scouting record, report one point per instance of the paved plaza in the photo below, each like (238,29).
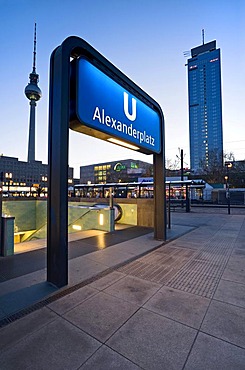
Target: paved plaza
(137,304)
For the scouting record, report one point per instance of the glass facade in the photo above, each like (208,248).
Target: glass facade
(125,170)
(205,106)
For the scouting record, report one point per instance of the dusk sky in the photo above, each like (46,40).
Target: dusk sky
(146,40)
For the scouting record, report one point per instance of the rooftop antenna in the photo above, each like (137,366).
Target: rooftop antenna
(203,36)
(34,49)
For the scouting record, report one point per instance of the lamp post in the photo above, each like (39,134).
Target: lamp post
(228,165)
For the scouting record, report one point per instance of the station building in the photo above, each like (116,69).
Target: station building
(127,170)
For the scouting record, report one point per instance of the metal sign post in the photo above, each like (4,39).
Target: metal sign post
(62,99)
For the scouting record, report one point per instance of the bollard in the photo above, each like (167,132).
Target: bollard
(7,236)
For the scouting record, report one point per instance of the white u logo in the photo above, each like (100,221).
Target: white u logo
(130,116)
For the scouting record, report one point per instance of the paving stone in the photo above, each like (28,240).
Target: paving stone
(107,280)
(72,300)
(133,289)
(153,341)
(238,252)
(210,353)
(184,307)
(107,359)
(110,257)
(57,346)
(82,268)
(226,322)
(231,292)
(235,271)
(158,266)
(17,330)
(101,315)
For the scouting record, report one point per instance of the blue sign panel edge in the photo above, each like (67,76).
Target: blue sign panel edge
(106,106)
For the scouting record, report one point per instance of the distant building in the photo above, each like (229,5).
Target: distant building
(16,175)
(128,170)
(205,106)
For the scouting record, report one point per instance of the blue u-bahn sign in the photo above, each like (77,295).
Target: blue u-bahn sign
(109,108)
(91,95)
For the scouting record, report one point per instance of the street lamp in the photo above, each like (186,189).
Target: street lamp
(228,165)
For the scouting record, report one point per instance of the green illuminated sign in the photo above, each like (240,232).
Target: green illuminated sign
(119,167)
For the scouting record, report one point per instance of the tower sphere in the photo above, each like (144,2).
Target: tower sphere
(33,92)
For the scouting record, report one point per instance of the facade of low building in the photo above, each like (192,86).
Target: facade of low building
(126,170)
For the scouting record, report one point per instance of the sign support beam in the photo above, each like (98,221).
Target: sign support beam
(59,116)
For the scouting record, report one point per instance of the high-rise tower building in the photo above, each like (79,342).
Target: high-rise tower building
(33,93)
(205,106)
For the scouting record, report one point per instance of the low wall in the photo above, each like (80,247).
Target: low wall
(136,211)
(31,214)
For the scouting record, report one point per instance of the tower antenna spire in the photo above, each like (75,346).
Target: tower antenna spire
(34,49)
(203,31)
(33,93)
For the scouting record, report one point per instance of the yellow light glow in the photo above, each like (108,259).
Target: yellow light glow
(77,227)
(119,142)
(101,219)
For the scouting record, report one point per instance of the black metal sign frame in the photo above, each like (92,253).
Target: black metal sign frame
(59,116)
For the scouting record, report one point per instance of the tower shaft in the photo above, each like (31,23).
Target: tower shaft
(32,129)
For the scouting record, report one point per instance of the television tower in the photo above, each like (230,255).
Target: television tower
(33,93)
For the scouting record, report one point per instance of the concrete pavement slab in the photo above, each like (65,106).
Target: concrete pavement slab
(83,268)
(235,271)
(180,306)
(133,289)
(101,315)
(160,265)
(14,332)
(110,257)
(237,256)
(226,322)
(231,292)
(56,346)
(187,244)
(237,252)
(72,300)
(209,353)
(107,359)
(240,242)
(153,341)
(138,246)
(160,335)
(107,280)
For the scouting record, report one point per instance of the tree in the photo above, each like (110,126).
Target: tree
(211,168)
